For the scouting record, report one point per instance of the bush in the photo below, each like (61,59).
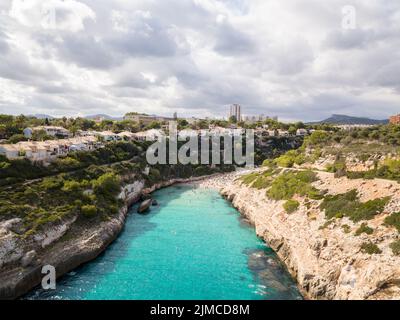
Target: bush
(346,228)
(364,228)
(249,178)
(370,248)
(347,204)
(393,220)
(317,137)
(71,186)
(291,206)
(395,246)
(89,211)
(290,158)
(107,185)
(285,186)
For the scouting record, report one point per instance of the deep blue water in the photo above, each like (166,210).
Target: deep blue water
(193,245)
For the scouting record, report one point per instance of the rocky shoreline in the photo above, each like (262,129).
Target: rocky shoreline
(66,251)
(326,262)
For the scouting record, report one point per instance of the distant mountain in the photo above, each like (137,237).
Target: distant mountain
(341,119)
(41,116)
(104,116)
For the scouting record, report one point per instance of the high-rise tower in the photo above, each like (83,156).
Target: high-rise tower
(236,111)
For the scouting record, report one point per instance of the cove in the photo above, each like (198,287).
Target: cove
(192,245)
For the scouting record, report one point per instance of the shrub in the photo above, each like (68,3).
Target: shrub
(290,158)
(107,185)
(347,204)
(264,179)
(346,228)
(368,210)
(71,186)
(393,220)
(364,228)
(249,178)
(89,211)
(291,206)
(285,186)
(370,248)
(317,137)
(395,246)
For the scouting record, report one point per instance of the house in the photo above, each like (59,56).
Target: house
(10,151)
(301,132)
(126,135)
(53,131)
(109,136)
(283,133)
(272,133)
(188,133)
(149,135)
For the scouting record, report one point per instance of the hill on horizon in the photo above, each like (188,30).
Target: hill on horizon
(105,116)
(342,119)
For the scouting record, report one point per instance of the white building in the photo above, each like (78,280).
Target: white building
(301,132)
(53,131)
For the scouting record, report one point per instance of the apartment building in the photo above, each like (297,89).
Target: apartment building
(395,119)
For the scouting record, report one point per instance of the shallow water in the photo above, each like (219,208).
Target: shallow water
(193,245)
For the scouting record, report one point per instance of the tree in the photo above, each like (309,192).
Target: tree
(17,138)
(107,185)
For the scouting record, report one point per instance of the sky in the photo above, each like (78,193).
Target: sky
(296,59)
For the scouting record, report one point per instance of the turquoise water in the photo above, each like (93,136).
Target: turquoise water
(193,245)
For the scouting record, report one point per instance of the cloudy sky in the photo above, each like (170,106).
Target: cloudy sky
(298,59)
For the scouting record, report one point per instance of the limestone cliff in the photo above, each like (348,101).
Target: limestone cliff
(327,262)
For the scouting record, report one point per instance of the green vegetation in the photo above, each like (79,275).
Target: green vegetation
(89,211)
(326,224)
(318,137)
(393,220)
(290,158)
(286,185)
(346,228)
(83,185)
(395,246)
(364,228)
(248,179)
(348,205)
(13,171)
(291,206)
(370,248)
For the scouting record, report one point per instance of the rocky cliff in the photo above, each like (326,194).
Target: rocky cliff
(326,261)
(65,245)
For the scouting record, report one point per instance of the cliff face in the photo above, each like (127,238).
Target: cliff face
(327,262)
(24,260)
(64,246)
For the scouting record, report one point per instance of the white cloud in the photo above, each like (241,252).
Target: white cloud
(51,14)
(289,58)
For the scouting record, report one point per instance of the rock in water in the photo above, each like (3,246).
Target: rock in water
(155,203)
(144,206)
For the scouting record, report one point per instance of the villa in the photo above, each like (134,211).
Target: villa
(53,131)
(48,150)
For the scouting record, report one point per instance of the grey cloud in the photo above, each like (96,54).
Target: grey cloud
(231,42)
(305,68)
